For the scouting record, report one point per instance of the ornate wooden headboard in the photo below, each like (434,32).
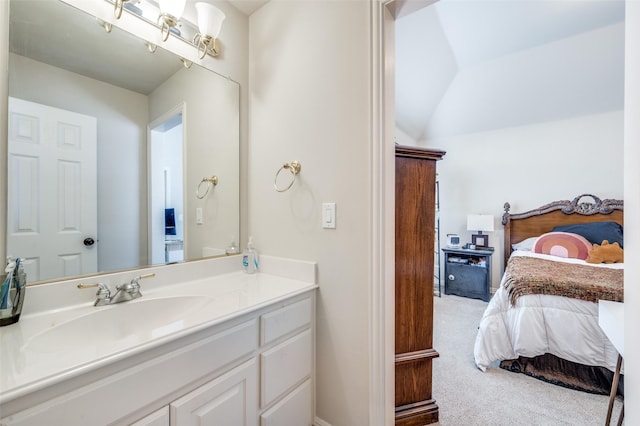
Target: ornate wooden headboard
(520,226)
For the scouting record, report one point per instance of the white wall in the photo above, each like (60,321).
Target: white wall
(309,101)
(402,138)
(632,211)
(122,122)
(212,126)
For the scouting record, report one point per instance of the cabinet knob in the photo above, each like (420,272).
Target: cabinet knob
(452,277)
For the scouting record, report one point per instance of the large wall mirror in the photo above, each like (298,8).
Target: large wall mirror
(112,149)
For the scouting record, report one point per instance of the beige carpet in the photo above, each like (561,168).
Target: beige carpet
(468,397)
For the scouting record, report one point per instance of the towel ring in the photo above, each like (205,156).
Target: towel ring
(294,167)
(211,182)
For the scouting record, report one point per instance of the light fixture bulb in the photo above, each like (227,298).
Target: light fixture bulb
(174,8)
(210,19)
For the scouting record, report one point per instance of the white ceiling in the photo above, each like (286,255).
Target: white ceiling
(482,30)
(247,6)
(437,43)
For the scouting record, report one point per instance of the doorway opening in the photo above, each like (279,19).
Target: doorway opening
(166,201)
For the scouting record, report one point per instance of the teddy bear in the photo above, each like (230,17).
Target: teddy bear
(606,253)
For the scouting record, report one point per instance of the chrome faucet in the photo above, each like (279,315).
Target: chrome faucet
(124,292)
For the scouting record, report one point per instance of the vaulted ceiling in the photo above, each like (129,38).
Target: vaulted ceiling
(473,65)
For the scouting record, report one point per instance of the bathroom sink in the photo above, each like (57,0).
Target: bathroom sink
(121,325)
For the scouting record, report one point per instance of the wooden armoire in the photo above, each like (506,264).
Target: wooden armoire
(414,284)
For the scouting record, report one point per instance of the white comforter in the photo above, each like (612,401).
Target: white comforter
(539,324)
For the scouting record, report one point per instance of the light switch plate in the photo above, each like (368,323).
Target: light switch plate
(199,219)
(329,215)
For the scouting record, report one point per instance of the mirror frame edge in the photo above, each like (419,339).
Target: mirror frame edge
(137,28)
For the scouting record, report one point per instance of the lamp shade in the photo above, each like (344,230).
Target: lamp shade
(209,19)
(480,222)
(172,7)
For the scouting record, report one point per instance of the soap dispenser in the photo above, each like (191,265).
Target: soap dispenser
(250,258)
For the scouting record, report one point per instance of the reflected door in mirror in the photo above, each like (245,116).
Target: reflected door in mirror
(52,190)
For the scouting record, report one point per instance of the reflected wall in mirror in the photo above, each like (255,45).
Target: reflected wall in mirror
(76,85)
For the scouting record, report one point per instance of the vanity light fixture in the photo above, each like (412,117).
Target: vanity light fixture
(210,20)
(170,13)
(187,63)
(106,25)
(118,5)
(151,47)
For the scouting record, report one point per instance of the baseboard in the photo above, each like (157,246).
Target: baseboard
(317,421)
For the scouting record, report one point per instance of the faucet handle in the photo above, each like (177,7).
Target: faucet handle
(133,286)
(103,295)
(136,280)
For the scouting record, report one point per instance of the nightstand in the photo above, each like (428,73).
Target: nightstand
(468,272)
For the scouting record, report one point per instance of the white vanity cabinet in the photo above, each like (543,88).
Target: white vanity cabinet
(255,369)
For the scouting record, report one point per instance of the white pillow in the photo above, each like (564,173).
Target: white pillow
(525,245)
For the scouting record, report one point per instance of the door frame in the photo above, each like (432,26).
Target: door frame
(180,109)
(382,178)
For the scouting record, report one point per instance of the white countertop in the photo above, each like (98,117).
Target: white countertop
(27,365)
(611,321)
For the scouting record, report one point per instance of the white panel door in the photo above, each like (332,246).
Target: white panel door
(52,214)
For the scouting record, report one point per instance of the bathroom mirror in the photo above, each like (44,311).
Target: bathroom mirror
(158,133)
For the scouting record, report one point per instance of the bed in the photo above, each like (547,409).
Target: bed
(553,336)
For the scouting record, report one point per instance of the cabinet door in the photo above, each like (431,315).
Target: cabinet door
(230,399)
(157,418)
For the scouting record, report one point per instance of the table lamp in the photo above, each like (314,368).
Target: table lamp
(480,223)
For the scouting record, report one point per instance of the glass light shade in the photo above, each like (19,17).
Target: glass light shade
(480,222)
(209,19)
(172,7)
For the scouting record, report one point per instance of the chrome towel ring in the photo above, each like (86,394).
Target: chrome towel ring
(294,168)
(211,182)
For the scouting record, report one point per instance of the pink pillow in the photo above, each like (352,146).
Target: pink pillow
(562,244)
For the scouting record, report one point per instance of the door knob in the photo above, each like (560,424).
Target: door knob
(89,241)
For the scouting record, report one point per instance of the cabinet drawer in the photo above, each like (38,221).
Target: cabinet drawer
(285,365)
(284,320)
(294,409)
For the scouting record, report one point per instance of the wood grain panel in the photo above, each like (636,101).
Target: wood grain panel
(414,245)
(414,238)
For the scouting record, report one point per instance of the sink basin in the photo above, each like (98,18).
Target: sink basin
(120,325)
